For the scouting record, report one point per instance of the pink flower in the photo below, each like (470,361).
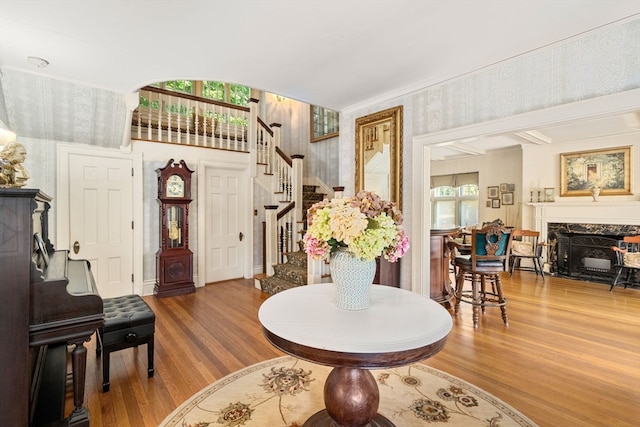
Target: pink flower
(316,248)
(400,248)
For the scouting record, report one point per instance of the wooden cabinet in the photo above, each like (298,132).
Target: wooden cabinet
(387,273)
(440,285)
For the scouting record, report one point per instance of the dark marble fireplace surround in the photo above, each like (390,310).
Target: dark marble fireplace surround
(583,251)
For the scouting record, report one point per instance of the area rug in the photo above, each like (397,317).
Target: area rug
(285,392)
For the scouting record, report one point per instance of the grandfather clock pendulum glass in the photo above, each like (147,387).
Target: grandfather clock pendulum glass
(174,260)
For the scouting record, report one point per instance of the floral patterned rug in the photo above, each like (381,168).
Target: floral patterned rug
(285,392)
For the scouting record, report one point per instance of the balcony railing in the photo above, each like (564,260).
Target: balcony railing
(173,117)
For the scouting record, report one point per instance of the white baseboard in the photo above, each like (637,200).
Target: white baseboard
(149,285)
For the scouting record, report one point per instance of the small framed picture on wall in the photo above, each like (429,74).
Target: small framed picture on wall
(495,203)
(493,192)
(507,198)
(549,194)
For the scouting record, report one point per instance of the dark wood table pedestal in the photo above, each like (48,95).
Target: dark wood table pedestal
(399,328)
(351,398)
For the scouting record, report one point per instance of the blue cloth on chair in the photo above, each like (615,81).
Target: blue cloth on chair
(481,242)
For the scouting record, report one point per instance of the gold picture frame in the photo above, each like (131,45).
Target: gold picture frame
(379,138)
(609,169)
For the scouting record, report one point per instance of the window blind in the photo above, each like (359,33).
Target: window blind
(454,180)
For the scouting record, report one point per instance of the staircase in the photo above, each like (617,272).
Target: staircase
(309,197)
(293,272)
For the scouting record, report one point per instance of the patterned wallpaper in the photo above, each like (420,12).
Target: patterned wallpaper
(597,63)
(50,109)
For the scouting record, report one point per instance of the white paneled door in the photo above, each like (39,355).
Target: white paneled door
(101,218)
(224,227)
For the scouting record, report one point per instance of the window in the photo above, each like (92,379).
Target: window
(324,123)
(219,91)
(454,201)
(225,92)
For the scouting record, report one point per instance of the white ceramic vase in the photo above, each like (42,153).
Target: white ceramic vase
(352,278)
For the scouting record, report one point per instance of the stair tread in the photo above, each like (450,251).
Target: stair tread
(273,285)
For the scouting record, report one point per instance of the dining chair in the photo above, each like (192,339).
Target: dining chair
(525,245)
(490,249)
(627,261)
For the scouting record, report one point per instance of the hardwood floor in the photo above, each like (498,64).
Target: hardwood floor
(569,357)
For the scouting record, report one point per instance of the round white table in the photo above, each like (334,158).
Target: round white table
(400,327)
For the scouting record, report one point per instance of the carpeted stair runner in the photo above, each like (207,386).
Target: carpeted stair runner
(294,272)
(309,197)
(288,275)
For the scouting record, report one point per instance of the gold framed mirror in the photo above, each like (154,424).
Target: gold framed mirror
(379,154)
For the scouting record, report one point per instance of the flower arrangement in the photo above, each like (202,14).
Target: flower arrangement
(364,224)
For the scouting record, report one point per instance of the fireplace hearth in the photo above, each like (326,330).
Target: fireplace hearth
(609,218)
(583,251)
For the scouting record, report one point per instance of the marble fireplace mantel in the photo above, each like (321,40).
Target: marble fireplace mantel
(585,212)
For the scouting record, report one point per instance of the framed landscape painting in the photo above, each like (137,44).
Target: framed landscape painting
(608,169)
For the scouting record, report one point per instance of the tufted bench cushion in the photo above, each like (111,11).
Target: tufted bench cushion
(129,322)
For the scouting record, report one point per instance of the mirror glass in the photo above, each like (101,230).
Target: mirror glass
(379,154)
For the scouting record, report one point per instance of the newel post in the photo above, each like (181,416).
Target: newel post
(252,137)
(271,238)
(296,185)
(271,149)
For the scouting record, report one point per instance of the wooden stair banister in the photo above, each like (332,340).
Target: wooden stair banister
(167,116)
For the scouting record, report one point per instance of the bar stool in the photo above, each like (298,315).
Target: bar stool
(490,249)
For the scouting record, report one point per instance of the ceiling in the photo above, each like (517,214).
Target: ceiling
(578,130)
(340,54)
(332,53)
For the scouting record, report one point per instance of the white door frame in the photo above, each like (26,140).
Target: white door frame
(421,228)
(242,165)
(62,200)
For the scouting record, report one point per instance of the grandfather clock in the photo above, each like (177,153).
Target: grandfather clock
(174,260)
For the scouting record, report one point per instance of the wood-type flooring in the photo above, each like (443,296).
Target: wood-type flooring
(569,357)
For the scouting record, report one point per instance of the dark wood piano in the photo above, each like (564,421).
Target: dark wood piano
(47,303)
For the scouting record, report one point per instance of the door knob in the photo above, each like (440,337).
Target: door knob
(76,247)
(240,236)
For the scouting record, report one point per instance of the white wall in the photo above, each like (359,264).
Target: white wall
(541,164)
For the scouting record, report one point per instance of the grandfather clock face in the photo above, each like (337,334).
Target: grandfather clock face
(175,186)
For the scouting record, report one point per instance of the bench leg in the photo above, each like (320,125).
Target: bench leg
(150,369)
(105,370)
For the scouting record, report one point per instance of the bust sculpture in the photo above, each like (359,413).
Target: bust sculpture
(12,170)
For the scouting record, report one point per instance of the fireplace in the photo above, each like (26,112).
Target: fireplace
(580,233)
(583,251)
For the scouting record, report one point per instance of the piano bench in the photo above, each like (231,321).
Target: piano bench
(128,322)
